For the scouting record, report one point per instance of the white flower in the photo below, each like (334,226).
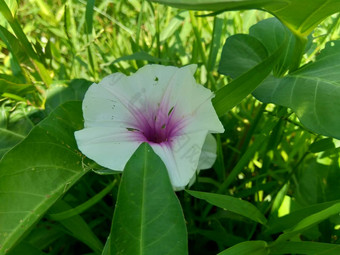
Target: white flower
(160,105)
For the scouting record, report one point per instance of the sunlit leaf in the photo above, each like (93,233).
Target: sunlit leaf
(309,221)
(290,220)
(301,16)
(232,204)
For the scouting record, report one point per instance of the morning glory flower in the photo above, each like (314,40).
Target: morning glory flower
(160,105)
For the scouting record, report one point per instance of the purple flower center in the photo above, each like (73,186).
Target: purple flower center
(157,126)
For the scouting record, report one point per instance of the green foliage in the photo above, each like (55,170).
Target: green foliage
(148,218)
(312,91)
(231,95)
(250,247)
(300,16)
(232,204)
(33,184)
(76,226)
(274,188)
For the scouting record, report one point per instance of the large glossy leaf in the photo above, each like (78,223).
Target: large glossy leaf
(234,92)
(148,218)
(235,61)
(313,92)
(301,16)
(232,204)
(242,52)
(40,169)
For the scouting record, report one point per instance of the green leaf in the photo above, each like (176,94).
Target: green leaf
(233,93)
(13,85)
(322,145)
(18,54)
(309,221)
(58,94)
(270,32)
(49,165)
(27,249)
(241,53)
(107,247)
(232,204)
(312,91)
(12,5)
(27,46)
(148,218)
(247,248)
(77,227)
(71,212)
(300,16)
(308,248)
(8,139)
(290,220)
(89,16)
(14,126)
(174,25)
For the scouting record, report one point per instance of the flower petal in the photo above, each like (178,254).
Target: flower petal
(109,147)
(162,105)
(208,154)
(181,157)
(103,108)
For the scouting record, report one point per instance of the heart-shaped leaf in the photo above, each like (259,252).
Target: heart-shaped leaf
(301,16)
(312,92)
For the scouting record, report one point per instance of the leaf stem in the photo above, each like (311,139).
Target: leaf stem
(299,48)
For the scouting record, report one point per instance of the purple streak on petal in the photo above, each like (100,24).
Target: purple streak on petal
(158,125)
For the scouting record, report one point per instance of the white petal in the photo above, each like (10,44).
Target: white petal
(149,84)
(191,68)
(193,101)
(204,118)
(207,157)
(181,159)
(103,108)
(208,154)
(109,147)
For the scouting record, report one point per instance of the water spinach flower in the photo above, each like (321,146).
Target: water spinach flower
(160,105)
